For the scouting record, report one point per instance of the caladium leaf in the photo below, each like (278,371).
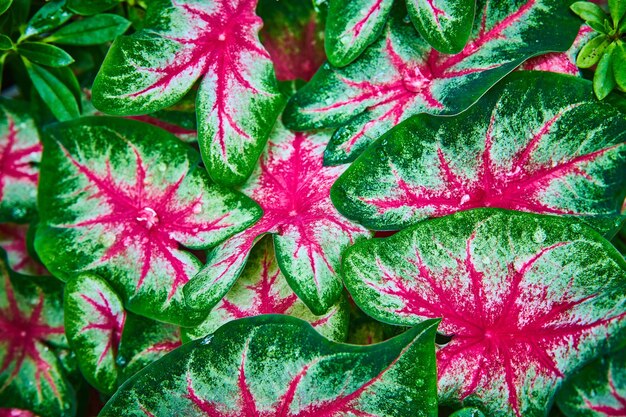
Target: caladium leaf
(262,289)
(598,390)
(535,143)
(270,365)
(293,188)
(20,153)
(94,319)
(400,75)
(561,62)
(14,412)
(352,26)
(118,198)
(526,299)
(293,34)
(468,412)
(31,330)
(143,342)
(13,239)
(238,99)
(445,24)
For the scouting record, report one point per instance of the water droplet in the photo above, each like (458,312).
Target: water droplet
(465,199)
(197,208)
(539,236)
(222,37)
(162,167)
(486,260)
(206,340)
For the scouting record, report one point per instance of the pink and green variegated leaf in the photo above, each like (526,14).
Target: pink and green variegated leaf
(293,188)
(13,239)
(597,390)
(561,62)
(14,412)
(526,299)
(182,41)
(20,153)
(276,365)
(143,342)
(293,34)
(400,75)
(468,412)
(31,330)
(351,26)
(262,289)
(121,199)
(445,24)
(94,319)
(535,143)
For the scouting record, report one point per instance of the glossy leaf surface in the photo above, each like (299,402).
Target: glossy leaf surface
(271,365)
(536,143)
(238,100)
(262,289)
(293,189)
(121,198)
(526,300)
(31,328)
(20,153)
(598,390)
(94,319)
(400,75)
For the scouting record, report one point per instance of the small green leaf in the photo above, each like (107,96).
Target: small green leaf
(4,5)
(589,12)
(591,53)
(604,78)
(617,9)
(50,16)
(54,93)
(5,42)
(91,31)
(622,26)
(600,27)
(619,65)
(44,54)
(90,7)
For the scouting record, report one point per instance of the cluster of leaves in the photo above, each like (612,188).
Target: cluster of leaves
(196,217)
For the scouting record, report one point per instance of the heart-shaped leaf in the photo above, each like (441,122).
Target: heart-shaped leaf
(118,198)
(238,100)
(536,143)
(400,75)
(278,365)
(598,390)
(262,289)
(293,34)
(143,342)
(445,24)
(31,329)
(94,319)
(526,299)
(293,188)
(20,153)
(13,239)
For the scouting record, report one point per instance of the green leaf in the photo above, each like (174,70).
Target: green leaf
(619,65)
(600,27)
(5,44)
(4,5)
(351,26)
(517,148)
(591,53)
(618,10)
(589,12)
(526,300)
(32,376)
(262,289)
(94,318)
(122,199)
(604,78)
(44,54)
(50,16)
(597,390)
(274,365)
(91,31)
(91,7)
(57,96)
(21,154)
(468,412)
(445,24)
